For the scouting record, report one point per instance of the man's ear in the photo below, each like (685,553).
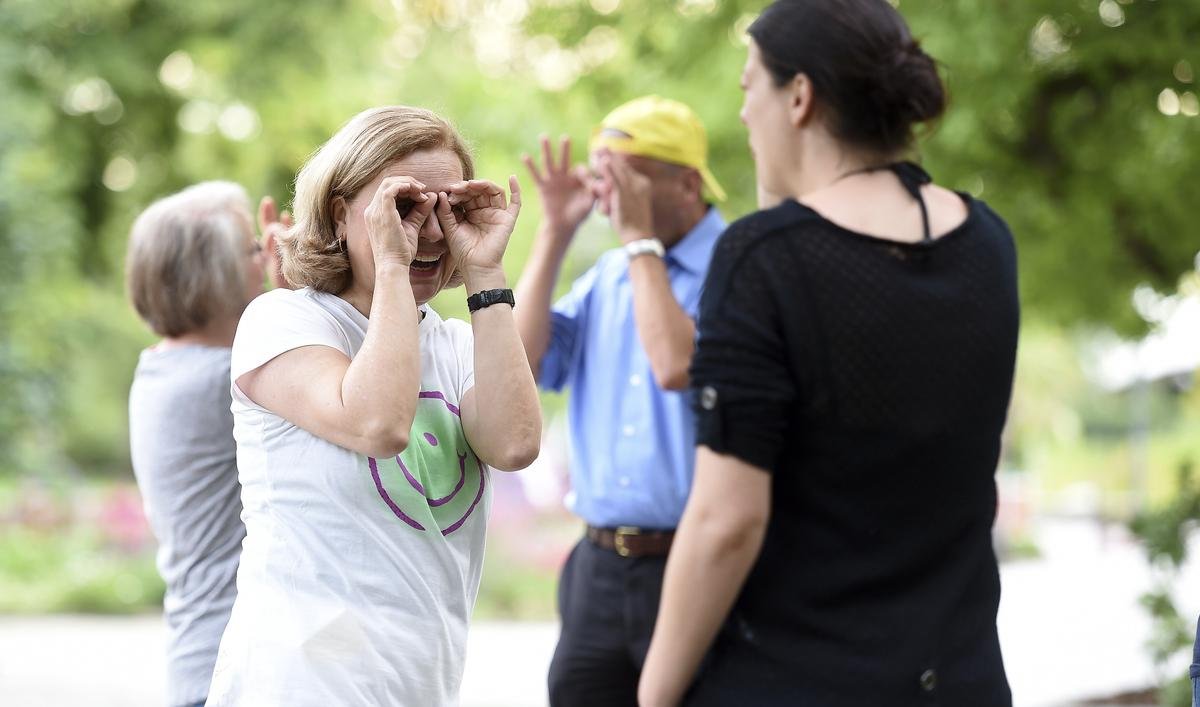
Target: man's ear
(694,184)
(800,100)
(341,215)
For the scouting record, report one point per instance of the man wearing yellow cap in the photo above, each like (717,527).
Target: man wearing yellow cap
(621,340)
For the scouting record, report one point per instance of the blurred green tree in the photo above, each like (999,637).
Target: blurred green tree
(1076,119)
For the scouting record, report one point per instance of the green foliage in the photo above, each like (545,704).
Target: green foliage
(75,546)
(73,572)
(1164,533)
(108,104)
(513,589)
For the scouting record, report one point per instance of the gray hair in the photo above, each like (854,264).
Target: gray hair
(184,265)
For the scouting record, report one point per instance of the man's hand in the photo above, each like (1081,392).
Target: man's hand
(566,192)
(624,195)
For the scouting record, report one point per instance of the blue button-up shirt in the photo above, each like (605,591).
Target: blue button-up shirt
(632,443)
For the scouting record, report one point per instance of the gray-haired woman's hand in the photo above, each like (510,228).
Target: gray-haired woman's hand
(273,223)
(394,219)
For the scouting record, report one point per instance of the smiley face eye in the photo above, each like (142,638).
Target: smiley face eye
(460,214)
(403,206)
(431,439)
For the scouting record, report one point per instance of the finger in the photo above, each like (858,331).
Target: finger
(612,181)
(390,189)
(445,216)
(620,171)
(393,187)
(514,204)
(285,218)
(599,188)
(625,177)
(564,163)
(484,194)
(389,194)
(266,213)
(468,198)
(493,195)
(547,157)
(421,210)
(533,170)
(584,175)
(459,192)
(486,186)
(464,193)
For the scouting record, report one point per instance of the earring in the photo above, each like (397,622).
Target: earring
(337,247)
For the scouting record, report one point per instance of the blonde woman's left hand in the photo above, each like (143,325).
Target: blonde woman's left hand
(477,221)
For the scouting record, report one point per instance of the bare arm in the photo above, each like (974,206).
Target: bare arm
(535,291)
(718,541)
(501,413)
(365,405)
(667,333)
(566,201)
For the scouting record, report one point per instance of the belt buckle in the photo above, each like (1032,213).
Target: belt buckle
(619,536)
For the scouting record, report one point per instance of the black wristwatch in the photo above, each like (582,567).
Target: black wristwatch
(487,298)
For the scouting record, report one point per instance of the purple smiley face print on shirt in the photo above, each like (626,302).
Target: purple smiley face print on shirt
(437,481)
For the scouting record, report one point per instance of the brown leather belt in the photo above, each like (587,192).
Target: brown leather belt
(632,542)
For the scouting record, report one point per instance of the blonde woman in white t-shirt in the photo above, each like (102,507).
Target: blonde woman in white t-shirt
(367,425)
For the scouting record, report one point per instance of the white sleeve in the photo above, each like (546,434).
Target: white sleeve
(277,322)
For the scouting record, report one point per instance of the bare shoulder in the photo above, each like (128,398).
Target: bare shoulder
(947,209)
(878,206)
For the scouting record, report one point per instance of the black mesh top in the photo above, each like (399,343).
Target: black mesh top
(871,378)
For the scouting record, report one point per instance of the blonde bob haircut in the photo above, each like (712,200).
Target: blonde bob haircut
(311,253)
(185,263)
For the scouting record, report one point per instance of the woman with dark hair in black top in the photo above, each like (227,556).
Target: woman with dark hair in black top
(857,338)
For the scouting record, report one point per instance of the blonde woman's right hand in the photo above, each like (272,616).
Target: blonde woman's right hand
(394,219)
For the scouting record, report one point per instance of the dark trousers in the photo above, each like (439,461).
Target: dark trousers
(608,604)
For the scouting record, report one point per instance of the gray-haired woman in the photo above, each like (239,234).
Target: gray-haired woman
(192,266)
(366,425)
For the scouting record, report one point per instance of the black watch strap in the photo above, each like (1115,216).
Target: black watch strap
(487,298)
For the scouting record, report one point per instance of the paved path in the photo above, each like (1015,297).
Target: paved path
(1069,624)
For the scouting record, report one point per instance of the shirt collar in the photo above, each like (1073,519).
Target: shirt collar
(694,252)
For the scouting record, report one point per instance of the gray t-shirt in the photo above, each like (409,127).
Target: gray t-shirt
(185,461)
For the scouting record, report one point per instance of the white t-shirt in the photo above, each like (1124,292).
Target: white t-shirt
(357,575)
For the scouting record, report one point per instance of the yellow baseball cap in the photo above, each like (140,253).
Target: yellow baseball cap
(661,129)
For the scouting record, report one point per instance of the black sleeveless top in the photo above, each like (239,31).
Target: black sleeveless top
(871,378)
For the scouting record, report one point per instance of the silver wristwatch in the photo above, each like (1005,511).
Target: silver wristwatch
(644,246)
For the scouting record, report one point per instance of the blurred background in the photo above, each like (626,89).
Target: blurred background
(1077,120)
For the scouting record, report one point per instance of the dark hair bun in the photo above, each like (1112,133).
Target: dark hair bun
(870,77)
(916,86)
